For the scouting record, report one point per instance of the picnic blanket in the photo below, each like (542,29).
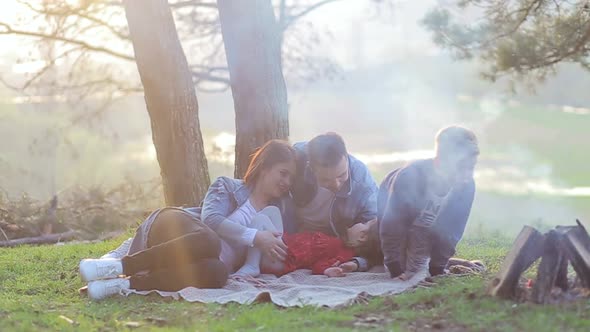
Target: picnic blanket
(299,288)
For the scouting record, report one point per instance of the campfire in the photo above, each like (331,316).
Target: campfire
(558,248)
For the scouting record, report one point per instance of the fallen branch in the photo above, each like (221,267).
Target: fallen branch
(4,233)
(45,239)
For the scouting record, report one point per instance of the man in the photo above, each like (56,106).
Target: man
(424,206)
(331,190)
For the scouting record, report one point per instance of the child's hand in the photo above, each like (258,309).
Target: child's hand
(334,271)
(349,266)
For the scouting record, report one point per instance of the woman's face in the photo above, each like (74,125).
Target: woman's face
(276,181)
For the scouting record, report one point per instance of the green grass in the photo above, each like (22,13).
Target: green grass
(552,137)
(39,284)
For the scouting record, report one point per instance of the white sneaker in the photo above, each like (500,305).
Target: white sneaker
(100,289)
(104,268)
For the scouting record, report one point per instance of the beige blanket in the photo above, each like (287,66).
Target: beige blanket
(299,288)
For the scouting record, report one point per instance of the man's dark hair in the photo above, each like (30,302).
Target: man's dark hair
(326,150)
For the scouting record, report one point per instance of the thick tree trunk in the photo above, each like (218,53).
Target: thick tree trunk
(170,99)
(252,46)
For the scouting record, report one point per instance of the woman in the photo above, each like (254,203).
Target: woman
(176,248)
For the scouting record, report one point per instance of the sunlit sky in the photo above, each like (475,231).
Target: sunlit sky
(396,34)
(351,22)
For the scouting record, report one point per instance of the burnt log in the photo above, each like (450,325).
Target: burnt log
(527,248)
(575,242)
(562,280)
(550,268)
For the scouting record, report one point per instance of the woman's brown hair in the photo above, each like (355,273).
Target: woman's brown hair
(271,153)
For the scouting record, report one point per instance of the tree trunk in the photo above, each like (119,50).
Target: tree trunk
(170,99)
(252,46)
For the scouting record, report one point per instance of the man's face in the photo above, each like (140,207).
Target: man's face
(460,169)
(332,178)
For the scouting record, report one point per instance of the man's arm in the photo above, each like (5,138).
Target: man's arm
(367,212)
(453,218)
(450,227)
(397,218)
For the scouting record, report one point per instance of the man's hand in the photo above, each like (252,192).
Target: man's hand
(271,245)
(350,266)
(334,271)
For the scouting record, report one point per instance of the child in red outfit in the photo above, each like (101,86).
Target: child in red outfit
(321,253)
(316,251)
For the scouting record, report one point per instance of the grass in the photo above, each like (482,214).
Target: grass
(38,287)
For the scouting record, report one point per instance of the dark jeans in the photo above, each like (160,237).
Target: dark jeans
(181,252)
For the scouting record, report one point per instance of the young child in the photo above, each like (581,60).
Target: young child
(321,253)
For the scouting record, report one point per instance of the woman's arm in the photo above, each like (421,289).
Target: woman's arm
(217,207)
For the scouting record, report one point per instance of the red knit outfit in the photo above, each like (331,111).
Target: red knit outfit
(316,251)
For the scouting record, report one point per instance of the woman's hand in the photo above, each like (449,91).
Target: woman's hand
(271,245)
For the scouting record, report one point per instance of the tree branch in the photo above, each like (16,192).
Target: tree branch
(204,75)
(193,3)
(558,57)
(48,66)
(10,31)
(104,24)
(518,24)
(44,239)
(290,19)
(78,12)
